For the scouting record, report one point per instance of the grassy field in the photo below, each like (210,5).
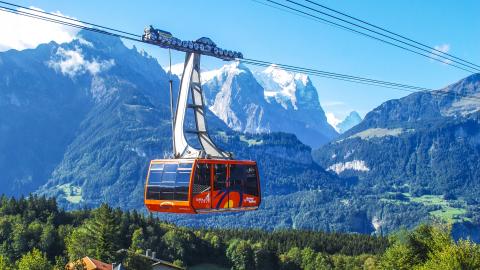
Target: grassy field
(250,142)
(450,213)
(449,210)
(73,194)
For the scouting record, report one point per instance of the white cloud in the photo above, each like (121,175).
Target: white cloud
(444,48)
(20,32)
(72,63)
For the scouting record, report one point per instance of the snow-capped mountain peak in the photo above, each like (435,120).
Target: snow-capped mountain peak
(283,77)
(232,69)
(270,100)
(176,69)
(351,120)
(281,85)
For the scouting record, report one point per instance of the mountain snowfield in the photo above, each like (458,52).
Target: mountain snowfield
(281,86)
(266,101)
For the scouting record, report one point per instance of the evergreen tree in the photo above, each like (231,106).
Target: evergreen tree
(34,260)
(134,261)
(264,259)
(138,242)
(60,262)
(180,244)
(240,254)
(97,238)
(5,264)
(104,229)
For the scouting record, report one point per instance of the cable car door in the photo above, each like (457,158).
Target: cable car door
(202,183)
(220,192)
(236,183)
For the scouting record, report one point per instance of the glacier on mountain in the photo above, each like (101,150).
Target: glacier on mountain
(267,101)
(281,86)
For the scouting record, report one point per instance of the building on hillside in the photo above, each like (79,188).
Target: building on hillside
(163,265)
(93,264)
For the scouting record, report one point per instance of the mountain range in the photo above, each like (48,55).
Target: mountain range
(81,120)
(267,101)
(422,149)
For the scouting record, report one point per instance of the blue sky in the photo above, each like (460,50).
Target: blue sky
(264,33)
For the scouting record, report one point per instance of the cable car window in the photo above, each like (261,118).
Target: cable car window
(161,182)
(238,175)
(156,167)
(154,182)
(182,181)
(251,186)
(153,193)
(220,180)
(155,177)
(201,182)
(166,191)
(185,166)
(169,173)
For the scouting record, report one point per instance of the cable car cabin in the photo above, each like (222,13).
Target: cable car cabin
(202,186)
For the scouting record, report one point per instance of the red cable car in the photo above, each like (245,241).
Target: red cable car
(202,186)
(202,180)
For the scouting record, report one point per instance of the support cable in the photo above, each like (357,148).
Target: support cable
(317,18)
(383,35)
(390,32)
(291,68)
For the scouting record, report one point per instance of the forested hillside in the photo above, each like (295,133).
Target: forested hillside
(417,152)
(36,234)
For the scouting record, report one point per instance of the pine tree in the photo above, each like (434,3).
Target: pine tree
(97,238)
(34,260)
(138,242)
(5,264)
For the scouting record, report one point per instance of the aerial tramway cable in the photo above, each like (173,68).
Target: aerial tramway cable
(390,32)
(364,81)
(431,55)
(435,51)
(313,72)
(431,50)
(71,19)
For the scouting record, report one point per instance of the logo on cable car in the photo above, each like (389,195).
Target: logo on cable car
(250,200)
(203,200)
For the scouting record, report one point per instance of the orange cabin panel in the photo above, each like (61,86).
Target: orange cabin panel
(202,186)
